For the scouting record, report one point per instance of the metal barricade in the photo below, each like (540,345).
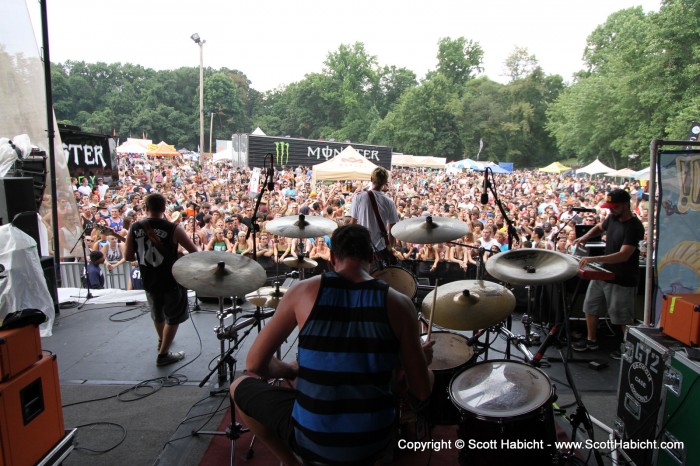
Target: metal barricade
(118,278)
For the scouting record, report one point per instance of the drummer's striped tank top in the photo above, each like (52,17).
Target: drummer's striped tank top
(344,408)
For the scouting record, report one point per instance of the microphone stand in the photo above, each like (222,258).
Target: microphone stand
(86,279)
(512,232)
(254,227)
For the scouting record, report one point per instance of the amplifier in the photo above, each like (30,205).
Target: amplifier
(34,167)
(680,318)
(20,348)
(680,416)
(31,417)
(646,356)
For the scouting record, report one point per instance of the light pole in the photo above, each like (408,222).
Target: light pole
(199,41)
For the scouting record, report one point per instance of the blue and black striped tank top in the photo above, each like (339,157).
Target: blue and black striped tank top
(344,410)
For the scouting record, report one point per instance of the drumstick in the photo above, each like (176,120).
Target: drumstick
(432,313)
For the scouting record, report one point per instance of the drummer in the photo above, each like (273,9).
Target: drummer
(377,317)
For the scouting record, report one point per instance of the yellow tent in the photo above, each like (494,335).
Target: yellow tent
(162,150)
(555,167)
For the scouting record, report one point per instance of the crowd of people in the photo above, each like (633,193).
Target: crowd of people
(214,206)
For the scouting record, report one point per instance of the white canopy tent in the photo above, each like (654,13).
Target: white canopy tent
(224,155)
(431,162)
(595,168)
(348,165)
(134,146)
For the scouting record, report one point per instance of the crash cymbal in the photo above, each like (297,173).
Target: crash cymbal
(301,226)
(531,266)
(469,304)
(296,263)
(267,296)
(429,230)
(219,274)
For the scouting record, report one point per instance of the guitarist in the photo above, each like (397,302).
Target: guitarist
(377,212)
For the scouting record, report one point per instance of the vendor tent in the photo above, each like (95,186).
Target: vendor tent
(403,160)
(555,167)
(162,149)
(348,165)
(465,163)
(623,173)
(134,146)
(224,155)
(430,161)
(594,168)
(642,174)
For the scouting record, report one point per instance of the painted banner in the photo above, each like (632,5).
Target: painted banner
(678,251)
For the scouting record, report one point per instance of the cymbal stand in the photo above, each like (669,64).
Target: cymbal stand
(234,430)
(518,340)
(221,335)
(300,256)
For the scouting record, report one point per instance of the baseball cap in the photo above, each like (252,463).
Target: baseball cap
(615,198)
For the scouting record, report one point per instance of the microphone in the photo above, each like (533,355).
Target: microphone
(484,192)
(271,173)
(584,209)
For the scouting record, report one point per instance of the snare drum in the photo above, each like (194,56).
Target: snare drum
(399,279)
(505,401)
(451,354)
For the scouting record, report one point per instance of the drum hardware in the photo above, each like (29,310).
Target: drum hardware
(268,296)
(234,430)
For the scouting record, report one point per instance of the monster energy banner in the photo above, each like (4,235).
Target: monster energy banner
(291,152)
(89,154)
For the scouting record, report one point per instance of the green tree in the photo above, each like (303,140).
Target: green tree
(459,60)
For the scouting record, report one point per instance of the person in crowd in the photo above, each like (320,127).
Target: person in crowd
(623,232)
(219,242)
(94,278)
(154,243)
(113,252)
(336,362)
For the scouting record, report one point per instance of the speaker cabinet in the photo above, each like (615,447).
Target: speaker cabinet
(48,266)
(31,417)
(20,348)
(16,197)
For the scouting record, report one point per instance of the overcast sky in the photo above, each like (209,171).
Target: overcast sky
(275,42)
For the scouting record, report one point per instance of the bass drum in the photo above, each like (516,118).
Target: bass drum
(505,401)
(399,279)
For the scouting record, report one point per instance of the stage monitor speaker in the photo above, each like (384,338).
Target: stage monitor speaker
(16,197)
(31,416)
(34,167)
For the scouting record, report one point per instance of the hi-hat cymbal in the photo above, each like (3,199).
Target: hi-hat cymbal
(267,296)
(469,304)
(296,263)
(301,226)
(532,266)
(219,274)
(429,230)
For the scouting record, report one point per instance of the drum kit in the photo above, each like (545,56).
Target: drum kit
(491,399)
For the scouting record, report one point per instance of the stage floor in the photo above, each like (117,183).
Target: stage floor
(104,349)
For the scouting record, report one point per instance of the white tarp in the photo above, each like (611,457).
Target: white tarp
(22,283)
(348,165)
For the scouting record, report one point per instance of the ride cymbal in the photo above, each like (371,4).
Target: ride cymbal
(301,226)
(469,304)
(219,274)
(532,266)
(429,230)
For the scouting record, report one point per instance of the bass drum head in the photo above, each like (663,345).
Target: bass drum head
(496,390)
(399,279)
